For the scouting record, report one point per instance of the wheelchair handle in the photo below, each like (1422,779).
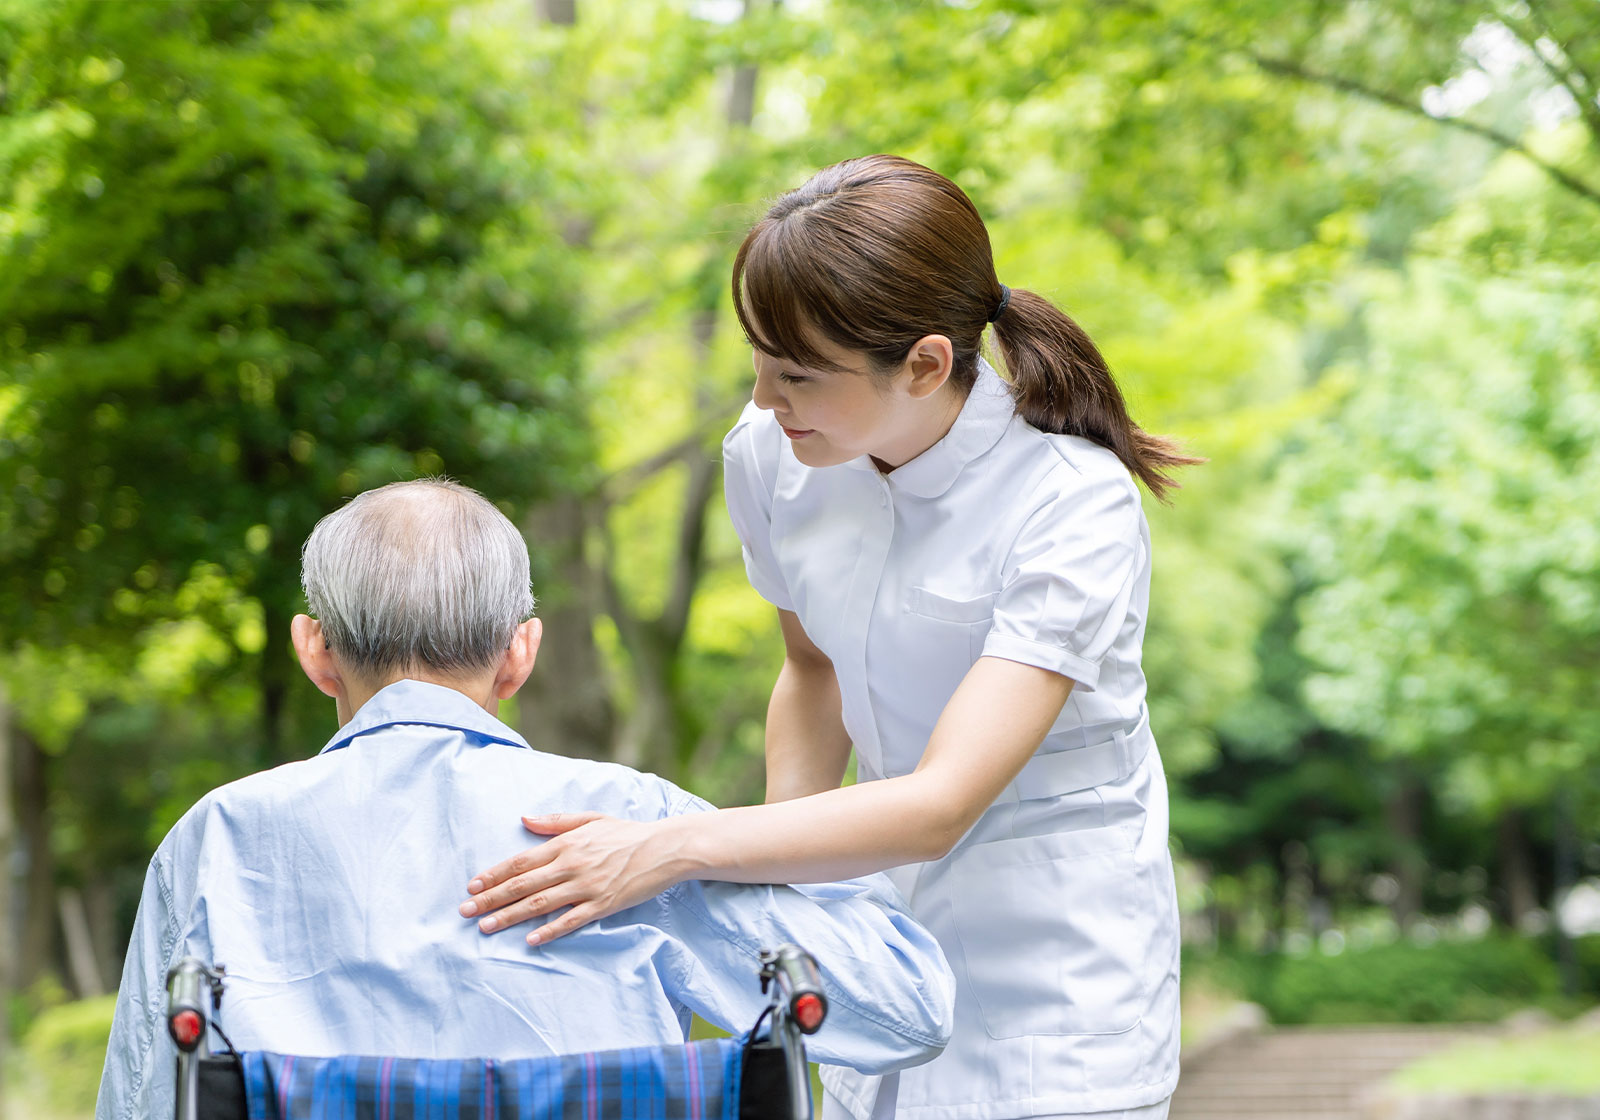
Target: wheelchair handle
(189,982)
(799,985)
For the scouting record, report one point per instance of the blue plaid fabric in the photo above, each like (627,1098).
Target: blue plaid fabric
(697,1081)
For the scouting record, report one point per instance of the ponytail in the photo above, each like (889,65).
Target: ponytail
(1062,385)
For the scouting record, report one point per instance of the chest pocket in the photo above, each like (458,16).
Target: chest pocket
(937,638)
(930,605)
(971,618)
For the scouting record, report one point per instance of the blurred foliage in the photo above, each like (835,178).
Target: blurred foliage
(1404,982)
(1445,512)
(249,270)
(57,1067)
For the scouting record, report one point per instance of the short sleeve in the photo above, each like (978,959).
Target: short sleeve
(749,473)
(1070,578)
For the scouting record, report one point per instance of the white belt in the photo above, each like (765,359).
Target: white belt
(1068,771)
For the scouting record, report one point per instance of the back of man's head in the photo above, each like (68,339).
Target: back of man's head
(423,575)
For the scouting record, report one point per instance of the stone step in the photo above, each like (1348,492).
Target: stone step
(1302,1073)
(1326,1071)
(1230,1112)
(1353,1041)
(1272,1111)
(1221,1075)
(1261,1100)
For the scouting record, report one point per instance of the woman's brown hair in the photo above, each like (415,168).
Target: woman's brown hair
(878,252)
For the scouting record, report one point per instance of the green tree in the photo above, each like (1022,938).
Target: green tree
(254,258)
(1446,514)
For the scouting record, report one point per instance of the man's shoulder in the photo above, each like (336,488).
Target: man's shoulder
(288,784)
(650,794)
(261,791)
(369,766)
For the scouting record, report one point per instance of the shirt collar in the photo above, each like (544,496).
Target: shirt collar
(419,702)
(984,416)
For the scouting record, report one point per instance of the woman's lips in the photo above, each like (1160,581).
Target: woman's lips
(796,433)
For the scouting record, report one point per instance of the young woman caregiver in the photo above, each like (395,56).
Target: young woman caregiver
(961,570)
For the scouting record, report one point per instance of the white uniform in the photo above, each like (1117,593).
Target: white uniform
(1057,910)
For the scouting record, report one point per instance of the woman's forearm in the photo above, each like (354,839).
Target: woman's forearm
(836,834)
(596,866)
(807,747)
(990,728)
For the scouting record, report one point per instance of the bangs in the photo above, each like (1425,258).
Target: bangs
(780,296)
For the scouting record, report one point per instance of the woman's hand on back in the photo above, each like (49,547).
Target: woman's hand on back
(593,863)
(598,865)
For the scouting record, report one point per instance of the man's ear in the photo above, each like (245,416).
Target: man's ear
(518,661)
(929,362)
(315,656)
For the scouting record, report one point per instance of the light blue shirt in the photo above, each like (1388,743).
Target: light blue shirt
(329,889)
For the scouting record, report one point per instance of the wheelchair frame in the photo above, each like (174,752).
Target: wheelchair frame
(775,1084)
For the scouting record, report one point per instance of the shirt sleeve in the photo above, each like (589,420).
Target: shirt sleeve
(1070,577)
(749,473)
(890,991)
(138,1080)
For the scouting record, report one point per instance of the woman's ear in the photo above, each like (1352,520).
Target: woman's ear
(929,362)
(315,657)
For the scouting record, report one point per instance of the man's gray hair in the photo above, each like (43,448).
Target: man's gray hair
(417,574)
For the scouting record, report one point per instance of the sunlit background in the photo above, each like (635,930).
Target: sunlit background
(258,256)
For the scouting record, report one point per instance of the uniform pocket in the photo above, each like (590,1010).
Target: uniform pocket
(1051,932)
(966,618)
(931,605)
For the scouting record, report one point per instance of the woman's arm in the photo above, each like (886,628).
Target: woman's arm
(992,725)
(807,747)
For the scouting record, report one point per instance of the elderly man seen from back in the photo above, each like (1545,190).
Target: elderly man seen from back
(329,887)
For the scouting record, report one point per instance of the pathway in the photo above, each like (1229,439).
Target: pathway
(1301,1073)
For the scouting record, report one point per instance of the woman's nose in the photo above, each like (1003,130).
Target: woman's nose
(765,392)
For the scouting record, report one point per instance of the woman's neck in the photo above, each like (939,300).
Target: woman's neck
(938,415)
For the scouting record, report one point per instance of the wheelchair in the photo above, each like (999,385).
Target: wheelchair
(760,1076)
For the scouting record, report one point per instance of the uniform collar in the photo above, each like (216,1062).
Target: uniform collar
(984,416)
(419,702)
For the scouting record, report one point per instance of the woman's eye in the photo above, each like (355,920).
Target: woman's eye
(791,379)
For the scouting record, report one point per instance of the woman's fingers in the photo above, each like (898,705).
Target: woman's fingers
(516,900)
(575,918)
(534,905)
(595,871)
(524,861)
(553,824)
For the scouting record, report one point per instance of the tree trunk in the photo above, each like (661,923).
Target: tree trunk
(561,12)
(1565,878)
(9,941)
(655,734)
(82,964)
(100,901)
(1517,893)
(566,705)
(1403,815)
(31,797)
(645,737)
(276,668)
(1225,920)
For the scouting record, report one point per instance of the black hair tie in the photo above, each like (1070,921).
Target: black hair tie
(1005,302)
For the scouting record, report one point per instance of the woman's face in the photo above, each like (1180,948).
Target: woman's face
(833,416)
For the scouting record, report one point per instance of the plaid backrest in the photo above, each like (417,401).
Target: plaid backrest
(696,1081)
